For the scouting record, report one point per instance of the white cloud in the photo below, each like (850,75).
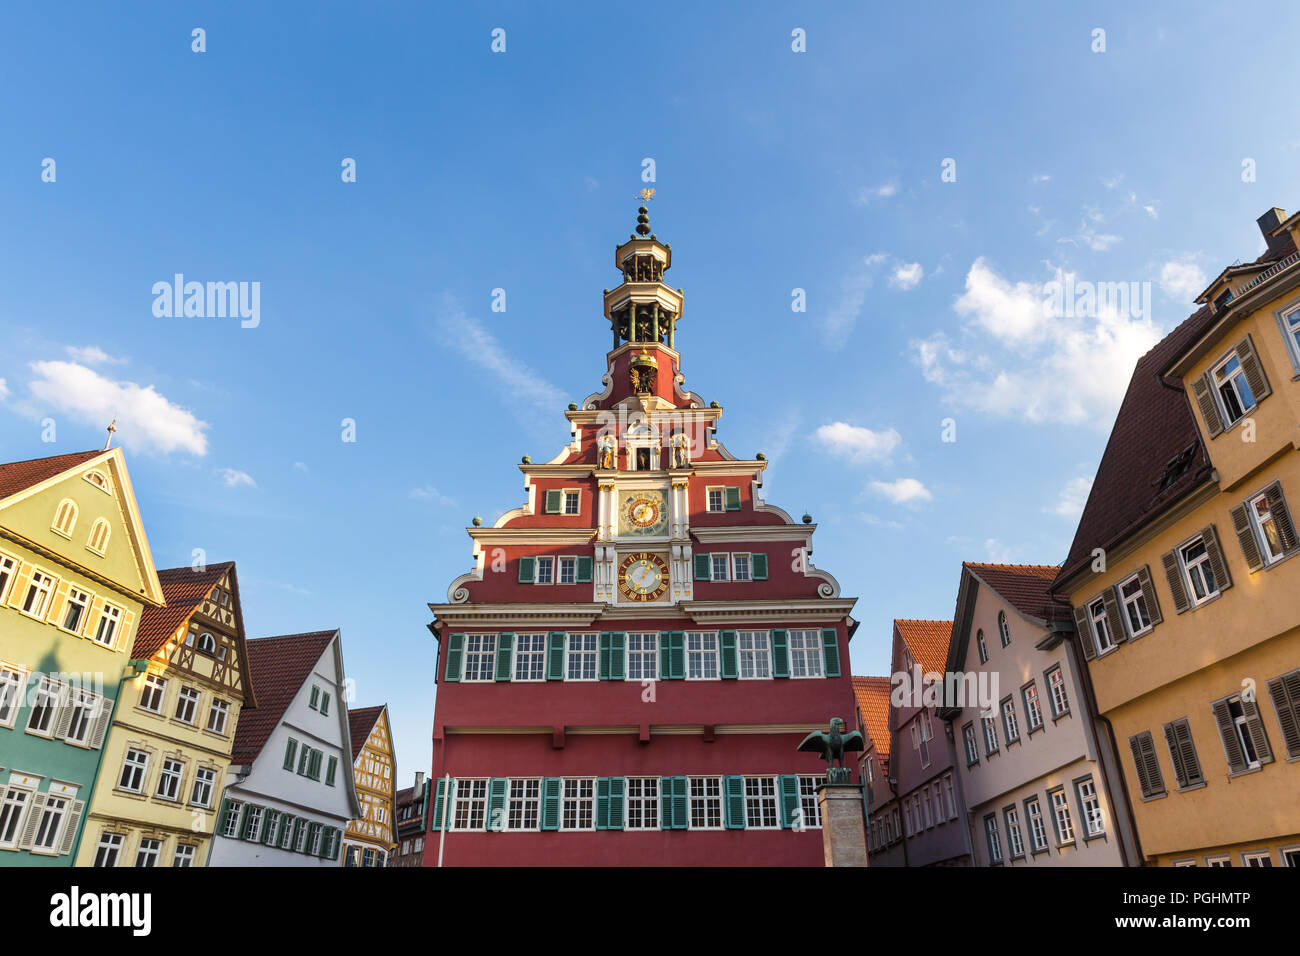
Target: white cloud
(4,390)
(907,275)
(883,191)
(301,466)
(1113,181)
(233,478)
(1028,359)
(1182,281)
(145,419)
(877,522)
(92,355)
(1042,177)
(430,493)
(904,491)
(1073,497)
(858,444)
(996,551)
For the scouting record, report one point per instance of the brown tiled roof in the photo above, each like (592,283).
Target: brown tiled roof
(20,475)
(872,694)
(361,721)
(1023,586)
(928,640)
(404,796)
(184,590)
(277,667)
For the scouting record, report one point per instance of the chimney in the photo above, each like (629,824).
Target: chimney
(419,784)
(1270,221)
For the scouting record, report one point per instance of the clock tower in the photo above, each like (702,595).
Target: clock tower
(626,672)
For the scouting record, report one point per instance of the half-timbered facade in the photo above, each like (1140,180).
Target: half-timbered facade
(155,803)
(412,823)
(369,839)
(625,674)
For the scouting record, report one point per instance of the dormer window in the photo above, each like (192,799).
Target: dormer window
(1222,300)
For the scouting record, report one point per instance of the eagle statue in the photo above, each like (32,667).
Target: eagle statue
(832,744)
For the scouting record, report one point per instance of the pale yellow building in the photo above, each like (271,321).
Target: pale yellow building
(368,840)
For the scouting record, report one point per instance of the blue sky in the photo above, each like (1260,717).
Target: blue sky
(775,171)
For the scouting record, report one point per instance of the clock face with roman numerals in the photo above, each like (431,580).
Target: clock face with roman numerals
(642,576)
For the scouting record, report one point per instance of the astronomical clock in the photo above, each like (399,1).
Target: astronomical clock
(642,576)
(642,513)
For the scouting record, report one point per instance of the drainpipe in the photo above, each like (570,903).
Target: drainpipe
(132,670)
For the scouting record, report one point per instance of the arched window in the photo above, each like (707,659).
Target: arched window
(65,518)
(99,480)
(98,540)
(984,651)
(1003,629)
(207,643)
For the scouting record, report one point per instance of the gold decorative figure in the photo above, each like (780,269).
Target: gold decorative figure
(647,194)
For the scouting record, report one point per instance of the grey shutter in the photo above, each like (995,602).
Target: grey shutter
(1228,733)
(102,722)
(733,789)
(831,651)
(1114,618)
(758,567)
(555,655)
(1255,724)
(63,716)
(1221,576)
(70,827)
(527,567)
(1204,393)
(1084,629)
(583,575)
(1192,763)
(1146,764)
(505,647)
(1282,517)
(1254,370)
(1246,535)
(703,567)
(554,501)
(727,644)
(455,651)
(617,658)
(780,641)
(1149,593)
(1285,691)
(1174,575)
(1176,755)
(731,494)
(35,809)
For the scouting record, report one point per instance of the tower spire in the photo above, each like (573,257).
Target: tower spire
(643,309)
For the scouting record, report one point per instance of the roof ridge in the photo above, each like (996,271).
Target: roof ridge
(66,454)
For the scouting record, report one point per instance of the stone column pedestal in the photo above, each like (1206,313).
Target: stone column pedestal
(843,830)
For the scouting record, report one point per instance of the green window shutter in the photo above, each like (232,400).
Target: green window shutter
(789,787)
(733,789)
(554,501)
(265,827)
(246,822)
(526,568)
(1204,393)
(727,646)
(758,567)
(314,769)
(665,803)
(1253,369)
(1174,575)
(1246,536)
(455,651)
(584,570)
(780,653)
(1149,592)
(315,698)
(331,771)
(617,792)
(677,655)
(223,816)
(496,808)
(1285,691)
(290,750)
(1083,628)
(1212,550)
(435,823)
(665,665)
(1282,518)
(602,657)
(304,758)
(732,495)
(703,567)
(551,803)
(602,803)
(1228,734)
(325,705)
(831,651)
(555,655)
(617,658)
(505,645)
(681,814)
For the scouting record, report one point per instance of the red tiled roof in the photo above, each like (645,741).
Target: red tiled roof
(183,590)
(928,641)
(277,667)
(1024,586)
(404,796)
(872,695)
(20,475)
(361,721)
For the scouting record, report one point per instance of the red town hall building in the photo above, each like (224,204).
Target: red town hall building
(624,676)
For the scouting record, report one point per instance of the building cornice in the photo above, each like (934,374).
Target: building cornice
(754,532)
(1258,297)
(491,536)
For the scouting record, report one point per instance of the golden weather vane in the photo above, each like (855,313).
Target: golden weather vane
(647,194)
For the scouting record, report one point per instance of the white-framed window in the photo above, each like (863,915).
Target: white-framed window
(572,501)
(1219,862)
(97,540)
(808,803)
(12,684)
(1015,842)
(313,838)
(755,657)
(1198,571)
(187,705)
(643,656)
(471,805)
(719,565)
(134,766)
(230,828)
(152,693)
(760,803)
(218,713)
(546,570)
(949,797)
(44,706)
(207,643)
(581,657)
(1241,729)
(12,812)
(75,610)
(981,646)
(37,602)
(1033,710)
(480,657)
(50,824)
(1094,823)
(205,779)
(184,856)
(85,707)
(1056,684)
(523,802)
(1061,817)
(923,809)
(805,653)
(1257,858)
(990,735)
(300,831)
(740,566)
(1271,548)
(8,570)
(705,798)
(146,855)
(1235,398)
(968,740)
(1100,627)
(642,803)
(1037,828)
(106,630)
(716,501)
(994,840)
(109,850)
(1137,616)
(530,657)
(1009,722)
(1004,629)
(169,779)
(701,655)
(578,804)
(568,570)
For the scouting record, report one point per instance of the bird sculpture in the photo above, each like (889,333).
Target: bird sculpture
(832,744)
